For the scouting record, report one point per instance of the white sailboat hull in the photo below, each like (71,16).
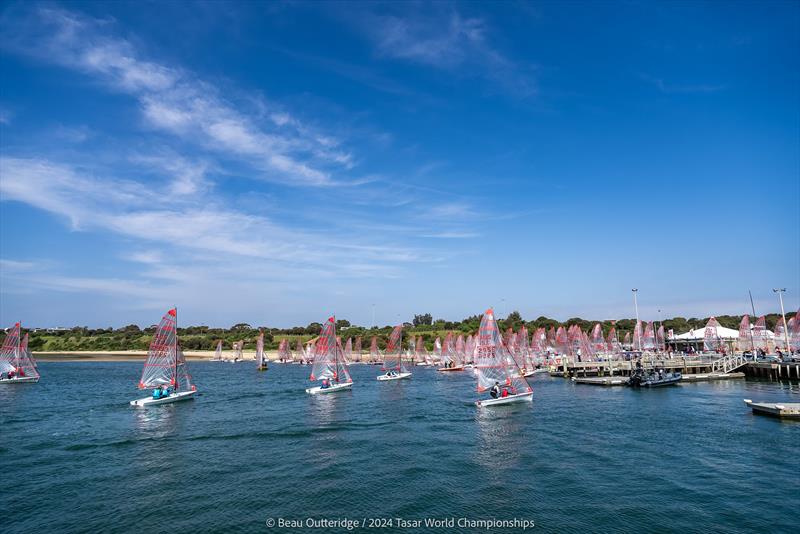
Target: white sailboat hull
(511,399)
(20,380)
(173,397)
(398,376)
(318,390)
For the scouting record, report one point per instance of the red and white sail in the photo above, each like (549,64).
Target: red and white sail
(261,357)
(218,351)
(392,356)
(10,351)
(598,343)
(16,356)
(420,352)
(612,341)
(329,361)
(165,364)
(449,354)
(745,341)
(348,349)
(661,342)
(637,336)
(284,352)
(437,350)
(494,363)
(649,337)
(374,352)
(794,332)
(711,338)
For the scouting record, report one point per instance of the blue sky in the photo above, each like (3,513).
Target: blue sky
(274,163)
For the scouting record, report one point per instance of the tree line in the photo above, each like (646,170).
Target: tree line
(132,337)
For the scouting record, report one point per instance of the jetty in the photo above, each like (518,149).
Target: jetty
(700,368)
(788,410)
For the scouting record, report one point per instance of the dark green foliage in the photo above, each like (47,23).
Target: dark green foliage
(132,337)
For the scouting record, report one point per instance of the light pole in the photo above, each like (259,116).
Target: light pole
(783,316)
(637,342)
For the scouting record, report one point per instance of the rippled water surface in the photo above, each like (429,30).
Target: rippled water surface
(253,446)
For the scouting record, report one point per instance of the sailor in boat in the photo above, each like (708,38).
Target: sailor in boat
(391,373)
(495,391)
(160,392)
(325,384)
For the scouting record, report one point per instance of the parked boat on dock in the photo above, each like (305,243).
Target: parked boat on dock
(652,379)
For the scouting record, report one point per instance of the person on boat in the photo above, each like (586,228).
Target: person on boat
(325,384)
(505,393)
(495,391)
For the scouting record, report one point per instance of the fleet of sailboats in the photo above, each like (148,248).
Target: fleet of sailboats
(501,362)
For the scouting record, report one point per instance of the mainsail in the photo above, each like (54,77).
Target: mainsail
(374,352)
(16,356)
(598,343)
(348,349)
(10,350)
(420,353)
(284,353)
(449,354)
(260,356)
(649,338)
(165,364)
(218,352)
(711,339)
(745,341)
(437,350)
(329,361)
(392,356)
(637,336)
(494,364)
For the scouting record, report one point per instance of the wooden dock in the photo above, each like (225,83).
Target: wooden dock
(621,380)
(788,410)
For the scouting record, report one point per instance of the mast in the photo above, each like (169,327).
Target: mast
(335,352)
(176,348)
(19,347)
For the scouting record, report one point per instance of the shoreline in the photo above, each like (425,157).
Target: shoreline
(134,355)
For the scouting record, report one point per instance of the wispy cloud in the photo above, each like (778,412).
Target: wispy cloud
(452,235)
(200,225)
(173,100)
(669,88)
(439,36)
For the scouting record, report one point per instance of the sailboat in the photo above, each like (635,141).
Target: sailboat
(330,365)
(495,366)
(261,356)
(375,355)
(165,369)
(17,365)
(393,357)
(450,357)
(217,353)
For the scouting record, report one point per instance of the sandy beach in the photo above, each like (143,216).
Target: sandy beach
(134,355)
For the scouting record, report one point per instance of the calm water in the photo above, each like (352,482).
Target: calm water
(253,446)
